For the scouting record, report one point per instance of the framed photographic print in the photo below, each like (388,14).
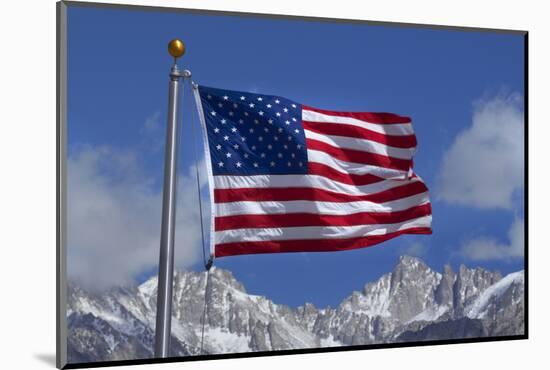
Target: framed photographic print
(234,184)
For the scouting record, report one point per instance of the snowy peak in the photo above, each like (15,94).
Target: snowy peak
(506,292)
(149,288)
(412,289)
(410,263)
(410,280)
(226,278)
(469,284)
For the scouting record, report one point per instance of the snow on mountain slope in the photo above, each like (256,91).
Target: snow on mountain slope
(479,308)
(430,314)
(119,324)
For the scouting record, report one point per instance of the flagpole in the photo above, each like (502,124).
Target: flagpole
(176,49)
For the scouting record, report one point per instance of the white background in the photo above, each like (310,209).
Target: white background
(27,184)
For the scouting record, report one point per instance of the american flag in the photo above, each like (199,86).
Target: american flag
(286,177)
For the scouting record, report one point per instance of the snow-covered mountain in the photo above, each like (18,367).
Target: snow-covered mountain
(413,302)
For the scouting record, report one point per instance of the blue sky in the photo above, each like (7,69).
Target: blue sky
(463,91)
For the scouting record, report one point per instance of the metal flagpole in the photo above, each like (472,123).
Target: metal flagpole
(176,48)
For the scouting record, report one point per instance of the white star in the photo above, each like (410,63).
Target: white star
(256,122)
(220,164)
(289,138)
(269,146)
(246,114)
(213,113)
(266,129)
(220,105)
(236,146)
(300,164)
(223,121)
(234,129)
(251,105)
(260,99)
(235,105)
(243,138)
(260,139)
(246,155)
(270,121)
(230,113)
(288,164)
(293,105)
(285,146)
(262,155)
(294,119)
(287,123)
(276,138)
(261,113)
(272,164)
(209,96)
(219,147)
(251,130)
(277,101)
(278,114)
(238,164)
(285,109)
(269,105)
(241,121)
(216,130)
(280,129)
(279,155)
(228,155)
(253,147)
(293,155)
(297,131)
(255,164)
(298,146)
(226,137)
(225,97)
(243,98)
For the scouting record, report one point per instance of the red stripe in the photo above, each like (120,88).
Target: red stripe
(303,193)
(310,245)
(372,117)
(311,219)
(340,129)
(359,156)
(314,168)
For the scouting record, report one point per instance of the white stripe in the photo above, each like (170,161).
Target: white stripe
(361,144)
(322,208)
(207,160)
(354,168)
(316,232)
(397,129)
(304,181)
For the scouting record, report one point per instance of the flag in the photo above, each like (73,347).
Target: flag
(286,177)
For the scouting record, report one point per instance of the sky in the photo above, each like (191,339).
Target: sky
(463,91)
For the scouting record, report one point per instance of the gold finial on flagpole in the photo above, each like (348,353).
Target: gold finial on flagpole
(176,48)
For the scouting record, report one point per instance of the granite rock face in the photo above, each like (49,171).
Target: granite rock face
(410,303)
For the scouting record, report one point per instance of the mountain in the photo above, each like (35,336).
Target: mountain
(410,303)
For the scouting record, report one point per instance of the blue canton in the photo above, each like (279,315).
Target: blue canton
(252,134)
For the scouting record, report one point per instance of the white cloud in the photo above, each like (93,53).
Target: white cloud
(152,133)
(485,248)
(415,249)
(114,216)
(152,123)
(483,168)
